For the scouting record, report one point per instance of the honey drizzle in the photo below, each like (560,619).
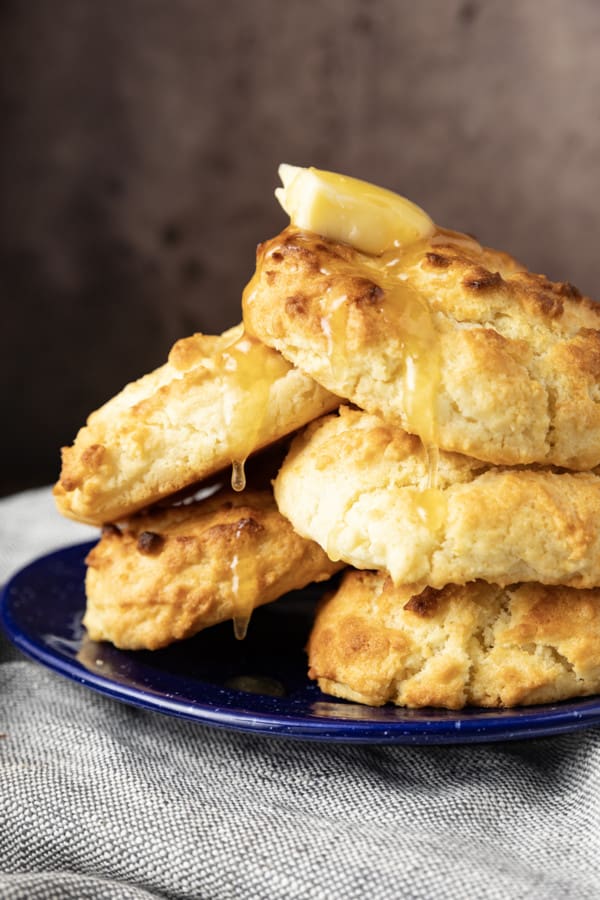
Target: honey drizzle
(432,456)
(407,317)
(431,507)
(410,316)
(240,627)
(255,368)
(244,584)
(238,475)
(392,234)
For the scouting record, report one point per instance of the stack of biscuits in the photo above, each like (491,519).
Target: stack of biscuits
(444,408)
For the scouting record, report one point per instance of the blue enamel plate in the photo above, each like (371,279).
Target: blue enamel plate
(257,685)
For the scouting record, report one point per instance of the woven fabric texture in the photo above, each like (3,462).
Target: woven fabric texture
(104,801)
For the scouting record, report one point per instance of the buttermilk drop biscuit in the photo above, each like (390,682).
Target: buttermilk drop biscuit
(479,644)
(359,487)
(449,340)
(216,400)
(166,575)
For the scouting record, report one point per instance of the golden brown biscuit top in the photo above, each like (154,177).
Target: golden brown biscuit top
(456,274)
(214,402)
(167,574)
(473,644)
(359,487)
(453,341)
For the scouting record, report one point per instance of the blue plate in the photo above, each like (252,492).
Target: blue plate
(257,685)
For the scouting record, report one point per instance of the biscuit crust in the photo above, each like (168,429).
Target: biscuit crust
(477,644)
(164,576)
(359,487)
(507,363)
(190,418)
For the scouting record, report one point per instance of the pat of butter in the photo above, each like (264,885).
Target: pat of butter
(346,209)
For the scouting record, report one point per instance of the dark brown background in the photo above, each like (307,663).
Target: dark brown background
(141,140)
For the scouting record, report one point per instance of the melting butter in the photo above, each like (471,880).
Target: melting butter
(393,231)
(370,218)
(393,235)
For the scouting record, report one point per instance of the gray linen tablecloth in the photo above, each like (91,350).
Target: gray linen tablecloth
(101,800)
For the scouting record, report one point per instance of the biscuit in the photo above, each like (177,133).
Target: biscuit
(359,487)
(449,340)
(165,575)
(478,644)
(216,400)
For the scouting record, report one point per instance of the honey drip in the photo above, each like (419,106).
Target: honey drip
(238,475)
(240,627)
(244,580)
(335,325)
(432,456)
(407,323)
(252,368)
(431,508)
(244,587)
(407,319)
(430,502)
